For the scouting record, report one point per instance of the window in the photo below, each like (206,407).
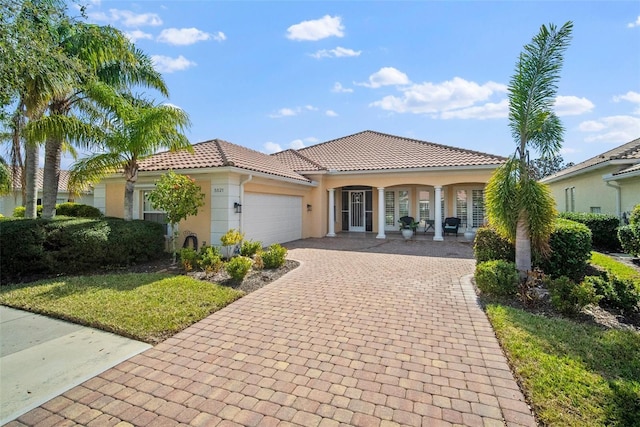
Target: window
(389,208)
(570,199)
(477,207)
(595,209)
(470,207)
(403,203)
(461,207)
(149,213)
(423,202)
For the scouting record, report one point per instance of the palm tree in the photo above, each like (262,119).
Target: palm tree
(517,205)
(106,56)
(137,129)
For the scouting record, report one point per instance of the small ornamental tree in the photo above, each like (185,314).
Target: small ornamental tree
(179,197)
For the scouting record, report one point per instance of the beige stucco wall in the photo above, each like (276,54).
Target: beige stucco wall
(590,191)
(630,193)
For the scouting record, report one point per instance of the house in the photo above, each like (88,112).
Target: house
(359,183)
(607,183)
(10,201)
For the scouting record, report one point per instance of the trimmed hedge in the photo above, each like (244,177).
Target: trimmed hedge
(64,209)
(497,277)
(570,244)
(603,228)
(629,235)
(72,245)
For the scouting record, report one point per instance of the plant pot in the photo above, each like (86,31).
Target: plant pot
(228,251)
(469,235)
(407,233)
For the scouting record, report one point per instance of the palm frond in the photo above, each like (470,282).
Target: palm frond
(502,199)
(94,168)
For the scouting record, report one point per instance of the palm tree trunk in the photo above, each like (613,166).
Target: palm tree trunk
(51,176)
(31,182)
(523,245)
(128,200)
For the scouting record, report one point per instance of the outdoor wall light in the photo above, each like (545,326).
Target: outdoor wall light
(308,208)
(237,207)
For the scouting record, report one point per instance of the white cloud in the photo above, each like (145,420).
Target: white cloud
(182,36)
(297,144)
(569,150)
(317,29)
(127,18)
(614,129)
(166,64)
(630,96)
(636,23)
(288,112)
(136,35)
(447,97)
(572,106)
(386,76)
(338,88)
(272,147)
(338,52)
(219,36)
(331,113)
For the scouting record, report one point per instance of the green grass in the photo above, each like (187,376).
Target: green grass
(618,268)
(147,307)
(574,374)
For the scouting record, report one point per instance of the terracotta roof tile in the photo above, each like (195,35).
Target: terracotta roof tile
(370,150)
(296,161)
(629,151)
(219,153)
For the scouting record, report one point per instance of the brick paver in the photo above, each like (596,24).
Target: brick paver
(364,332)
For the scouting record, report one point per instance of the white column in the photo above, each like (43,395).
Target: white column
(381,234)
(332,212)
(438,213)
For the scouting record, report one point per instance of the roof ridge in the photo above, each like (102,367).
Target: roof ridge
(305,158)
(633,146)
(223,154)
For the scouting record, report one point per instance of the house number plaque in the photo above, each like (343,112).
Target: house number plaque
(218,190)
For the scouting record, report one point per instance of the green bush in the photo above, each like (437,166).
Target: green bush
(569,297)
(603,228)
(249,248)
(74,245)
(274,257)
(622,294)
(210,259)
(497,277)
(238,267)
(629,237)
(489,246)
(19,211)
(634,217)
(570,244)
(189,258)
(77,210)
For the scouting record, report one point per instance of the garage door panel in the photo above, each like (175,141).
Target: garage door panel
(272,218)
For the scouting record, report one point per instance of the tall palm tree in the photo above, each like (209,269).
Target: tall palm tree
(137,129)
(517,205)
(107,56)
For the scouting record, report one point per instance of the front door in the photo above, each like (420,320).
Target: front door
(357,210)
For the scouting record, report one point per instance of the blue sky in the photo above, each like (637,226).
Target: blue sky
(275,75)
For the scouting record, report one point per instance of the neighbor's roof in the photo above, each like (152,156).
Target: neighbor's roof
(371,150)
(219,153)
(629,152)
(63,181)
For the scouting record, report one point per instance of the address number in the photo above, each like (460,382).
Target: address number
(218,190)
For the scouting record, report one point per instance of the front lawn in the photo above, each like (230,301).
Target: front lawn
(147,307)
(612,266)
(574,374)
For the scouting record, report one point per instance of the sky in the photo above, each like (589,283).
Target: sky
(273,75)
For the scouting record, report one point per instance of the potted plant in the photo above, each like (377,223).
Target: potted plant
(231,242)
(407,227)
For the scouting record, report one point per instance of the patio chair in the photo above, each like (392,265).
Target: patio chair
(407,221)
(450,225)
(429,224)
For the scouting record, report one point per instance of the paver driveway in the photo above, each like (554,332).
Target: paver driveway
(368,337)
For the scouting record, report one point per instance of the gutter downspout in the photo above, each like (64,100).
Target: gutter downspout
(249,178)
(618,196)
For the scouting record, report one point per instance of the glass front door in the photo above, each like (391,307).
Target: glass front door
(356,215)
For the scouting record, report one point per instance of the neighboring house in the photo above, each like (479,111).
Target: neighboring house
(9,202)
(607,183)
(359,183)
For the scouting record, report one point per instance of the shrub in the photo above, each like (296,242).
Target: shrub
(249,248)
(634,217)
(622,294)
(570,250)
(231,237)
(569,297)
(238,267)
(489,246)
(603,228)
(258,263)
(73,245)
(77,210)
(629,237)
(189,259)
(210,259)
(274,257)
(19,211)
(497,277)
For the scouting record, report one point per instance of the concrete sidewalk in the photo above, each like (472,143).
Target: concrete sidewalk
(41,358)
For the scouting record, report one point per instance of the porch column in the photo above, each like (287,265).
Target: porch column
(381,214)
(438,213)
(332,212)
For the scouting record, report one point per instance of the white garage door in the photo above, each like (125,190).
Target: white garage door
(272,218)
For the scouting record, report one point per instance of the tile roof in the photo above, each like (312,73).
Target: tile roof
(219,153)
(296,161)
(629,151)
(63,181)
(371,150)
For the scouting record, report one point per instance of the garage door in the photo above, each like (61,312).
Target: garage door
(272,218)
